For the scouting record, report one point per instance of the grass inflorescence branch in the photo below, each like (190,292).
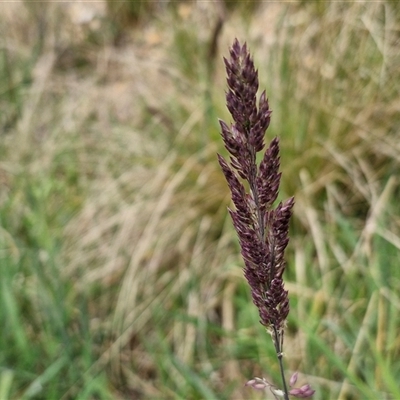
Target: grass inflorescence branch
(263,229)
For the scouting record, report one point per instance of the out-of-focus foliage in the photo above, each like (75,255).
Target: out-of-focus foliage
(120,272)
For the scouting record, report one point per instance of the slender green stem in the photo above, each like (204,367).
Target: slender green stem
(278,342)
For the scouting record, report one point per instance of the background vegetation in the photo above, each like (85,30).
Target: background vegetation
(120,271)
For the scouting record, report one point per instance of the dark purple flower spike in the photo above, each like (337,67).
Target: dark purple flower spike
(263,229)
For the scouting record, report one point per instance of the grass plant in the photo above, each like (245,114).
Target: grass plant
(120,272)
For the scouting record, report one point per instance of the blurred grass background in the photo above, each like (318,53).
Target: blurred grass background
(120,271)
